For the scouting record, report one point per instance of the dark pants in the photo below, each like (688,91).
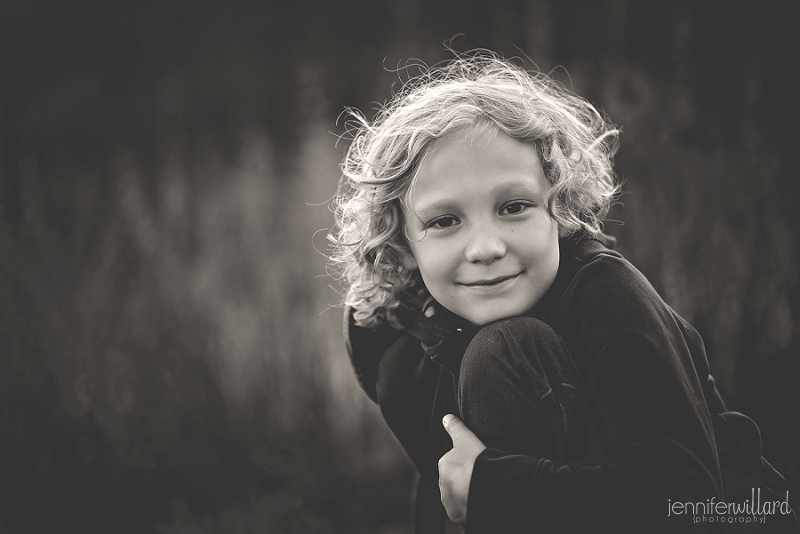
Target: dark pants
(521,391)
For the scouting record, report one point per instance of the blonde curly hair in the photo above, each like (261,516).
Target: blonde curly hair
(575,142)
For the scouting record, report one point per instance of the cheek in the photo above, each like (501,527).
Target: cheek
(551,244)
(552,233)
(435,265)
(431,265)
(540,241)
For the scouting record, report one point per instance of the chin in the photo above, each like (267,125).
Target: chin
(484,319)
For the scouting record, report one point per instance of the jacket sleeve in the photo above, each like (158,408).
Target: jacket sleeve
(365,348)
(394,371)
(651,394)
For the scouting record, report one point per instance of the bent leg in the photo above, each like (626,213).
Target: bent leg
(520,391)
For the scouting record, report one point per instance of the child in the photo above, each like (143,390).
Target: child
(478,283)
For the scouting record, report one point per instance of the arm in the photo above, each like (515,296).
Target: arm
(365,348)
(649,385)
(395,372)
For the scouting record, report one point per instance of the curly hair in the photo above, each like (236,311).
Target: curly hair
(575,142)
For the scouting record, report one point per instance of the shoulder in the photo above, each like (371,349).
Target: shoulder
(609,292)
(610,274)
(365,347)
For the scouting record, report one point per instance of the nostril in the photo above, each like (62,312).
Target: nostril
(485,248)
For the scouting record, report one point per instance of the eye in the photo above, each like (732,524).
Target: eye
(516,206)
(446,221)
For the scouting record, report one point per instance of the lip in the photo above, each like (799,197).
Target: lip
(492,282)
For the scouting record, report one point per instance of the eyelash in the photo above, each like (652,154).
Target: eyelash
(522,203)
(434,222)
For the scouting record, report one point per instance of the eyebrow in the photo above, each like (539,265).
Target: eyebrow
(437,207)
(510,188)
(522,186)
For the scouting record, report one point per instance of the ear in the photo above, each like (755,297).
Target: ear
(407,259)
(409,262)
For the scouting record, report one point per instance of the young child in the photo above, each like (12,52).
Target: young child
(478,283)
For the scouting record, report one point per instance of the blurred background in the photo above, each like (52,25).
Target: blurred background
(171,356)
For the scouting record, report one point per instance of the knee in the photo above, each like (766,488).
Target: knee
(515,356)
(513,343)
(504,336)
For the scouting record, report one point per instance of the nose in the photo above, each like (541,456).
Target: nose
(485,246)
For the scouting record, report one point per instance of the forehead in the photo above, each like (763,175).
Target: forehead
(475,160)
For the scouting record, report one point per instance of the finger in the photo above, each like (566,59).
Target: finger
(455,427)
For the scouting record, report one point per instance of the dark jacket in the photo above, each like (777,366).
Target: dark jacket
(648,372)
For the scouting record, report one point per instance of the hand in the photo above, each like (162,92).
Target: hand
(455,468)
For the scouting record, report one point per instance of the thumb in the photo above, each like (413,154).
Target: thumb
(456,428)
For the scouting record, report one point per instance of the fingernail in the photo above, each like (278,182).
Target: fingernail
(447,418)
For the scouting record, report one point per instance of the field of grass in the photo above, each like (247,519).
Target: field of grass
(171,356)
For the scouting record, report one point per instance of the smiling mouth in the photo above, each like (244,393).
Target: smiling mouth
(493,282)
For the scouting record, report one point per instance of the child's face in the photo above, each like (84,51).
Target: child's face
(478,228)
